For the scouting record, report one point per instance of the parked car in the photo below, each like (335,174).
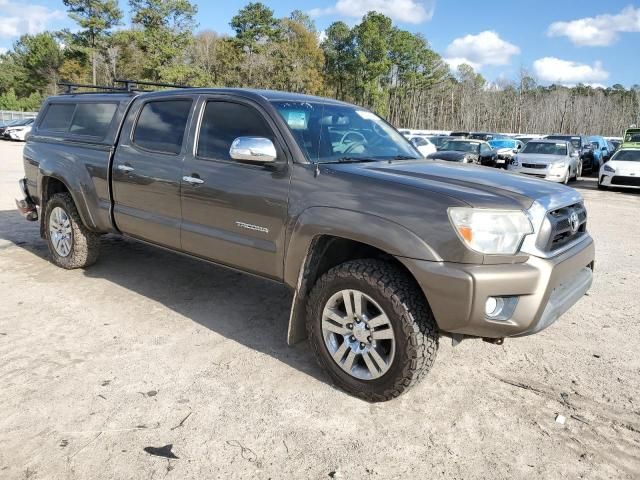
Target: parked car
(554,160)
(18,133)
(423,144)
(459,134)
(581,143)
(506,149)
(11,123)
(623,170)
(484,136)
(601,149)
(383,250)
(439,140)
(631,138)
(616,144)
(19,128)
(466,151)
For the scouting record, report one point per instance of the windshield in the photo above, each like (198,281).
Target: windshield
(329,133)
(461,146)
(546,148)
(632,137)
(503,143)
(575,141)
(438,141)
(627,156)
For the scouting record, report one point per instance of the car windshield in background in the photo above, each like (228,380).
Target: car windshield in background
(438,141)
(627,156)
(503,143)
(575,141)
(330,133)
(546,148)
(461,146)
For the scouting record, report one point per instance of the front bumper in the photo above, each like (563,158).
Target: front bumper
(25,204)
(543,173)
(545,288)
(618,180)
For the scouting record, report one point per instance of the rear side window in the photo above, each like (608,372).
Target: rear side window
(161,125)
(58,117)
(223,122)
(93,119)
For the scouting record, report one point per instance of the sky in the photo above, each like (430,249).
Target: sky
(561,41)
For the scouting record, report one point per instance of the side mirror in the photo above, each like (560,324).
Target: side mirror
(253,149)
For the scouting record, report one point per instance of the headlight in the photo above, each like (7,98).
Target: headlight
(491,231)
(609,169)
(558,166)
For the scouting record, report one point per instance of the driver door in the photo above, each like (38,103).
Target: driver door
(234,213)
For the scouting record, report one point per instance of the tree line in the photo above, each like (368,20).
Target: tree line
(373,63)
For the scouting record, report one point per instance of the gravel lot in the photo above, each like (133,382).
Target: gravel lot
(148,348)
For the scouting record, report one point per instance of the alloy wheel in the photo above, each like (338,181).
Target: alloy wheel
(60,232)
(358,334)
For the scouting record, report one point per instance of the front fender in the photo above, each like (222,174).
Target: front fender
(315,222)
(383,234)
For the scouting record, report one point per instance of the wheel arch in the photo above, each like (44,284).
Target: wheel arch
(50,184)
(326,237)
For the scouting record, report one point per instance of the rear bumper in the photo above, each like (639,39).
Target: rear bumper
(25,204)
(544,288)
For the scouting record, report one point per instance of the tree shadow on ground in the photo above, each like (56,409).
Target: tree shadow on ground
(248,310)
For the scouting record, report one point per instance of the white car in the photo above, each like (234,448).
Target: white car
(623,170)
(18,133)
(424,145)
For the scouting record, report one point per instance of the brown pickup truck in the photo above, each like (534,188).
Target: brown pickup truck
(385,250)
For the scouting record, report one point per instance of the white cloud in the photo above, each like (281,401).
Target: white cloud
(18,18)
(565,72)
(598,31)
(3,50)
(406,11)
(485,48)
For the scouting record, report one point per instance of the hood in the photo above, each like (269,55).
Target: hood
(472,184)
(625,168)
(449,155)
(541,158)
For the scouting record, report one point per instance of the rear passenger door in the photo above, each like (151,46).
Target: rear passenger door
(147,169)
(234,212)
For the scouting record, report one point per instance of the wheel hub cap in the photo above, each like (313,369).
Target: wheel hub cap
(358,334)
(60,232)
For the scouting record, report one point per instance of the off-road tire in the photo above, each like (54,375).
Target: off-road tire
(85,243)
(414,326)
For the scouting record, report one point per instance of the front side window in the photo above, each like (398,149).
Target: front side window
(93,119)
(58,117)
(162,124)
(223,122)
(328,132)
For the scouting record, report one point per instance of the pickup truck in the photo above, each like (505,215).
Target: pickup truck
(384,251)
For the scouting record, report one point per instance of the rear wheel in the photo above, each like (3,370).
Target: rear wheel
(71,244)
(371,329)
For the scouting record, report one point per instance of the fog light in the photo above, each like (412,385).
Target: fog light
(493,307)
(500,308)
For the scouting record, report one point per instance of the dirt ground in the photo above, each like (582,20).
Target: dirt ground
(148,349)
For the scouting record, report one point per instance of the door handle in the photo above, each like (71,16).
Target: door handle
(125,168)
(192,180)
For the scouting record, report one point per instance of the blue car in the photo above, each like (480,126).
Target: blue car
(601,151)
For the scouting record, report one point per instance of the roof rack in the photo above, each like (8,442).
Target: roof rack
(70,88)
(128,86)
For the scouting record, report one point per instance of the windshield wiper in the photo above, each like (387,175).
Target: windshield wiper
(351,160)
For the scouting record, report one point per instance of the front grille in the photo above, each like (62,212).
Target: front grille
(628,181)
(535,165)
(556,230)
(538,175)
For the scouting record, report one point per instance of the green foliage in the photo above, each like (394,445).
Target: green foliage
(165,31)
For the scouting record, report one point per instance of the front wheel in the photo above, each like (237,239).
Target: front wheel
(371,329)
(71,244)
